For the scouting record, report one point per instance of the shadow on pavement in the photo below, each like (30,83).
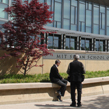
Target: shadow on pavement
(101,102)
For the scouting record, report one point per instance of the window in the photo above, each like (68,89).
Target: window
(102,20)
(2,13)
(85,44)
(54,42)
(70,43)
(82,16)
(57,14)
(66,20)
(88,17)
(100,45)
(96,19)
(1,22)
(5,1)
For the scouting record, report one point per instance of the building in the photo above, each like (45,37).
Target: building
(80,25)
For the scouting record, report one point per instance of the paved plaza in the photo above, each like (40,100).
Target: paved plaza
(92,102)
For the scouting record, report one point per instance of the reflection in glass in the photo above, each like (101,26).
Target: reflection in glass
(85,44)
(67,9)
(88,6)
(107,17)
(56,42)
(88,29)
(96,15)
(99,46)
(102,32)
(67,43)
(74,2)
(57,13)
(2,13)
(70,43)
(96,29)
(53,42)
(107,30)
(87,47)
(73,15)
(6,1)
(66,24)
(82,44)
(41,1)
(74,27)
(82,26)
(102,9)
(88,18)
(82,12)
(50,42)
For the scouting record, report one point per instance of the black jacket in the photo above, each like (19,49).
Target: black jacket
(76,71)
(54,74)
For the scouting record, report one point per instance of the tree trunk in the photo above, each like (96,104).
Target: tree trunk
(25,70)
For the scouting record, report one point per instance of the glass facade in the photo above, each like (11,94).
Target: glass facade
(80,15)
(75,15)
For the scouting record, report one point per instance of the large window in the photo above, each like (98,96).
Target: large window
(102,20)
(73,15)
(3,14)
(66,18)
(86,44)
(70,43)
(54,42)
(107,21)
(100,46)
(96,19)
(88,17)
(82,16)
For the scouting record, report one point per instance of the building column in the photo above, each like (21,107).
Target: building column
(62,47)
(94,44)
(106,45)
(79,43)
(64,42)
(46,39)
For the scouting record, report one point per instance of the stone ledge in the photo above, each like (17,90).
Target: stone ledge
(20,86)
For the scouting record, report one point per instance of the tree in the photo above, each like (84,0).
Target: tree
(20,36)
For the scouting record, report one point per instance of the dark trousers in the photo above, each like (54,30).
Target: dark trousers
(63,84)
(73,86)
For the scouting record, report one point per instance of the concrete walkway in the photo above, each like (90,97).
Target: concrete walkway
(92,102)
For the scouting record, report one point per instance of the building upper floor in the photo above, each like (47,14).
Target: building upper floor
(78,15)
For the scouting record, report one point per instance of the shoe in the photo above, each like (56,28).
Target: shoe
(73,105)
(59,98)
(79,105)
(59,92)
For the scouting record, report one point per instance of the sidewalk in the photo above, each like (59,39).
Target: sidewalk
(92,102)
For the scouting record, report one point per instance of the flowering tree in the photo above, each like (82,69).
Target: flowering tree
(20,36)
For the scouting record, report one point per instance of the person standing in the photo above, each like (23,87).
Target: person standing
(76,77)
(56,78)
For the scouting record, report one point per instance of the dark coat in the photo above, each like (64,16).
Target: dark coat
(54,74)
(76,71)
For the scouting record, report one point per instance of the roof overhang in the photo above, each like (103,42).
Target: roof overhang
(75,33)
(101,2)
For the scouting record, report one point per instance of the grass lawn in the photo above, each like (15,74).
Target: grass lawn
(19,78)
